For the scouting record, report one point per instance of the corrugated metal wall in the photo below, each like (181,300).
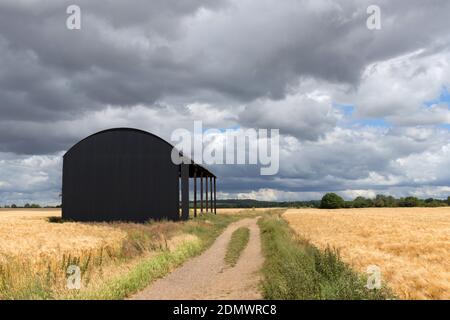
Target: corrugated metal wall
(120,174)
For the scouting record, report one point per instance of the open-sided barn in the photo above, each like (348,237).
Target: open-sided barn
(128,175)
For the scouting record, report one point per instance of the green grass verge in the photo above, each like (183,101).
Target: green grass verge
(295,269)
(143,273)
(237,244)
(207,228)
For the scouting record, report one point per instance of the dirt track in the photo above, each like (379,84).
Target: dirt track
(207,276)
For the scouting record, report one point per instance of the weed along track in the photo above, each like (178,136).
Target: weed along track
(208,276)
(238,242)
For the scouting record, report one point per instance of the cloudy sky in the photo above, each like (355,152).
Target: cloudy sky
(360,111)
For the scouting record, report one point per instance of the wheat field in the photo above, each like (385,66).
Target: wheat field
(29,234)
(35,252)
(410,245)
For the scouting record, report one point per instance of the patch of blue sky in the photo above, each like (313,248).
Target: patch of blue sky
(445,126)
(350,121)
(347,110)
(444,98)
(373,122)
(224,129)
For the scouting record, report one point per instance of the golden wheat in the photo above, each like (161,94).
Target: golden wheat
(28,234)
(410,245)
(35,253)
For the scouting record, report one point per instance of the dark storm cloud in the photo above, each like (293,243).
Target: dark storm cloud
(265,63)
(54,72)
(129,53)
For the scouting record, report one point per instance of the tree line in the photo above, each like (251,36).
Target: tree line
(329,201)
(334,201)
(26,206)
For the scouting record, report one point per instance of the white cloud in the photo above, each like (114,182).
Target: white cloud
(267,194)
(30,179)
(352,194)
(306,115)
(397,90)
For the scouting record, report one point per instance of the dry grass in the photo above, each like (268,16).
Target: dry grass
(35,253)
(28,234)
(233,211)
(410,245)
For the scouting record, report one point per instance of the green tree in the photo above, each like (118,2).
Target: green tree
(361,202)
(332,201)
(409,202)
(448,201)
(391,202)
(430,202)
(380,201)
(348,204)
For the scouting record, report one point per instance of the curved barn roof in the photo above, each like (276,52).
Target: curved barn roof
(137,131)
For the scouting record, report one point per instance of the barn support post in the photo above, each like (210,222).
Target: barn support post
(215,198)
(184,191)
(206,187)
(195,192)
(201,192)
(211,192)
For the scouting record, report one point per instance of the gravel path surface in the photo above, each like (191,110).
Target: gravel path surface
(208,277)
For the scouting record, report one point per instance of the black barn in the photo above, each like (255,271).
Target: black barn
(128,175)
